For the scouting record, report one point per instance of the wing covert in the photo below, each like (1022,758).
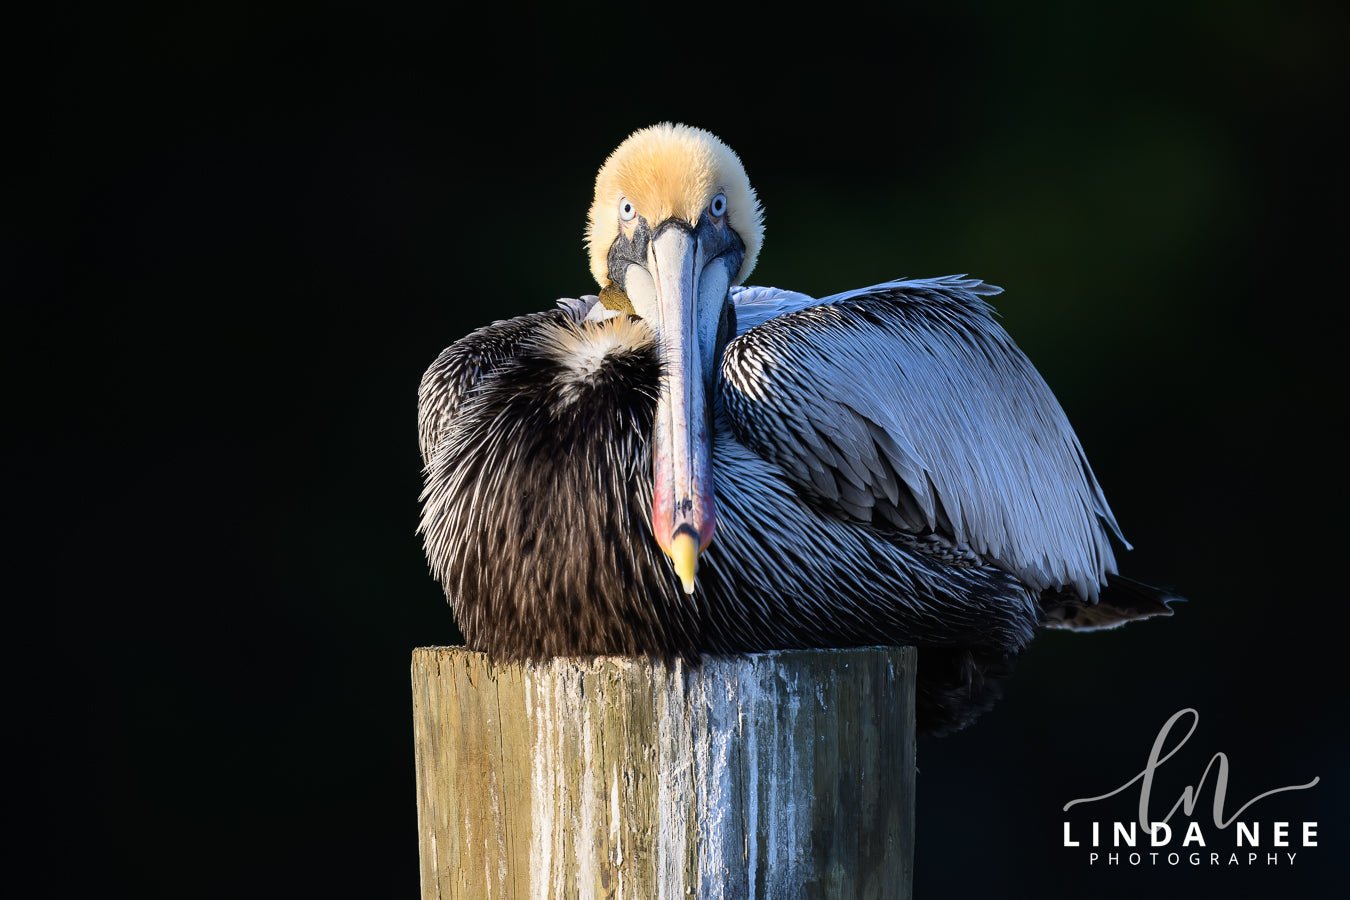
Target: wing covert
(907,405)
(468,360)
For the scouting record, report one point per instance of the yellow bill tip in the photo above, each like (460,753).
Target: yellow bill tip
(684,553)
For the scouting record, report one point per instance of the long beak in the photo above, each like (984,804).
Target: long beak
(683,515)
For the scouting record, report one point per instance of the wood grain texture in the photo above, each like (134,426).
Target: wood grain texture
(777,775)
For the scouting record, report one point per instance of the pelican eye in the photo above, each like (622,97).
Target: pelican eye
(627,210)
(718,207)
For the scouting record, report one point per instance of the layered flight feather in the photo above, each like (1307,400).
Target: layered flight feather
(907,406)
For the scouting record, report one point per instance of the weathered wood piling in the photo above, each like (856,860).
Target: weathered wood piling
(777,775)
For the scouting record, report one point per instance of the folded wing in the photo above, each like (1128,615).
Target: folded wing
(905,405)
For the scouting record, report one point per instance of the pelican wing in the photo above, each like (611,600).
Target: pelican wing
(466,362)
(907,406)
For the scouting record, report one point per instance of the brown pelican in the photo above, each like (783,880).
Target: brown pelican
(683,465)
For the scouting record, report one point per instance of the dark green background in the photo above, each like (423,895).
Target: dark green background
(242,231)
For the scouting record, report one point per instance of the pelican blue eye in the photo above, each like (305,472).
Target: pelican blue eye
(626,210)
(718,207)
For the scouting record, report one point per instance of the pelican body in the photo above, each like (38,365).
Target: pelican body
(682,465)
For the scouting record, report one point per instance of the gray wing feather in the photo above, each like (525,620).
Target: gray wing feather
(907,405)
(464,363)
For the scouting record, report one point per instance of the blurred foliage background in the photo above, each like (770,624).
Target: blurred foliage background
(241,231)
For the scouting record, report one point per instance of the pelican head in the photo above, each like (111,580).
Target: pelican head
(674,225)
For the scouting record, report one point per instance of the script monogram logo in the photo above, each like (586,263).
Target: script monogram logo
(1160,833)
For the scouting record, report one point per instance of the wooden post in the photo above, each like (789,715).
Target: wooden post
(777,775)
